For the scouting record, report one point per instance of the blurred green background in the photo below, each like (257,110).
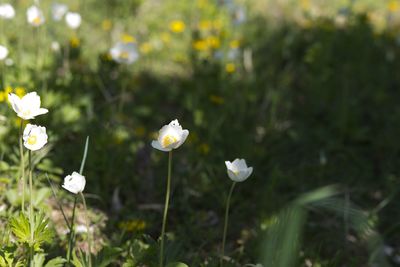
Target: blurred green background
(307,91)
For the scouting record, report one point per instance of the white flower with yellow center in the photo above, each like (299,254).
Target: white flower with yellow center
(74,183)
(125,53)
(35,16)
(3,52)
(58,11)
(7,11)
(73,20)
(170,137)
(238,170)
(27,107)
(34,137)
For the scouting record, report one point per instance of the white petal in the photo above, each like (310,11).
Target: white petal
(184,135)
(228,165)
(15,102)
(155,144)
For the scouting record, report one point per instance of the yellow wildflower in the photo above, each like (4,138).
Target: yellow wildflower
(106,25)
(20,91)
(305,4)
(213,41)
(230,67)
(145,48)
(3,96)
(127,38)
(393,6)
(234,44)
(205,24)
(177,26)
(74,42)
(133,225)
(200,45)
(8,90)
(218,100)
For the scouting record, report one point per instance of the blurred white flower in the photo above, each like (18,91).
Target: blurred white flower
(73,20)
(34,137)
(35,16)
(3,52)
(124,53)
(27,107)
(170,137)
(7,11)
(238,170)
(74,183)
(55,46)
(58,11)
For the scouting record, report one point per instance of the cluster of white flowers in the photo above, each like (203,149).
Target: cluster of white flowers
(172,136)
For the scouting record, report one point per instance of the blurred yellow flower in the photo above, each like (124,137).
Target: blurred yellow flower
(213,42)
(75,42)
(145,48)
(106,25)
(204,148)
(205,24)
(202,3)
(230,67)
(20,91)
(3,96)
(133,225)
(177,26)
(200,45)
(8,90)
(166,37)
(393,6)
(217,24)
(127,38)
(216,99)
(305,4)
(234,44)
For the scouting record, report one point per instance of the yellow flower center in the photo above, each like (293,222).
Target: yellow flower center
(36,20)
(168,140)
(26,113)
(32,140)
(123,55)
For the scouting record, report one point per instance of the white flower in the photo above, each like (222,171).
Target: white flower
(238,170)
(7,11)
(73,20)
(170,137)
(58,11)
(35,16)
(124,53)
(74,183)
(3,52)
(34,137)
(55,46)
(27,107)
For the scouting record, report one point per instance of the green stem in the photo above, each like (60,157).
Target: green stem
(21,153)
(88,255)
(166,208)
(226,223)
(32,224)
(71,233)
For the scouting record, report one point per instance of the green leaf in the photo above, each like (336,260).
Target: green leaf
(38,260)
(20,228)
(56,262)
(177,264)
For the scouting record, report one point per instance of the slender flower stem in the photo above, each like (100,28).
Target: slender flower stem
(226,223)
(166,208)
(71,233)
(32,224)
(88,255)
(21,153)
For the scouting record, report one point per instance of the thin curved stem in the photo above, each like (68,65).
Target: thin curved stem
(166,208)
(88,254)
(31,220)
(71,233)
(228,201)
(21,153)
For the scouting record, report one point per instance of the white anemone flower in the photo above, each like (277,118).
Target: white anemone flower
(35,16)
(34,137)
(74,183)
(73,20)
(27,107)
(58,11)
(7,11)
(238,170)
(3,52)
(124,53)
(170,137)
